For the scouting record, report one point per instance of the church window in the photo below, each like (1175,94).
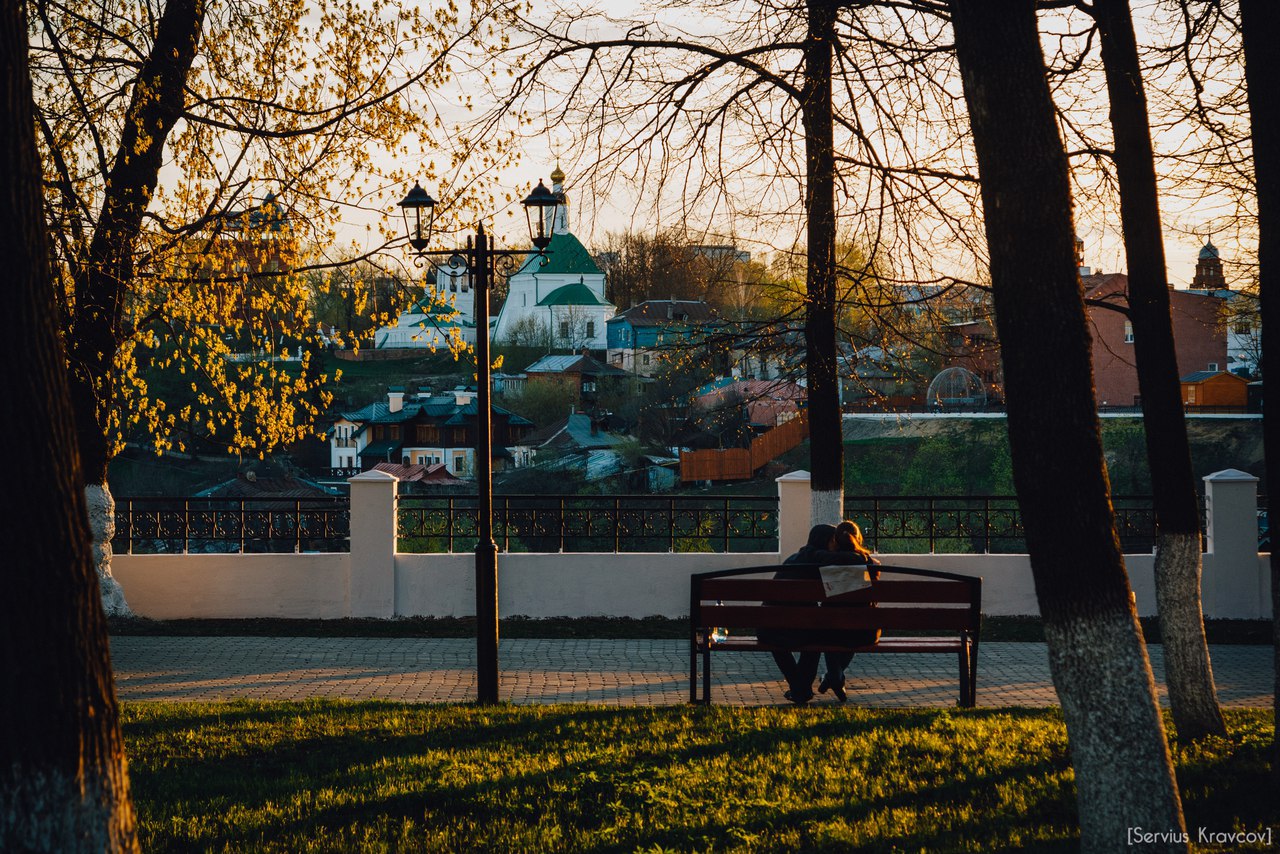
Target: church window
(591,329)
(564,329)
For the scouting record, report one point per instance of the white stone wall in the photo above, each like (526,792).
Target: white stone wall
(374,581)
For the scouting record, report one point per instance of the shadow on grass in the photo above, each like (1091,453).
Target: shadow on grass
(336,775)
(592,778)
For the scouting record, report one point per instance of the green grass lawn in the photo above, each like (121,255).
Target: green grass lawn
(331,776)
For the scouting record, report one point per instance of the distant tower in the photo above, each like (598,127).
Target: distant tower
(1083,270)
(561,224)
(1209,269)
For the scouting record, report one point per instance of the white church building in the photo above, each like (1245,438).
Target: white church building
(559,297)
(446,313)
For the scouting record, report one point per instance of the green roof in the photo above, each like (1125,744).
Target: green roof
(575,294)
(565,255)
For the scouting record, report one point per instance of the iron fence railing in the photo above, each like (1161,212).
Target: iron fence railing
(593,523)
(214,525)
(975,524)
(598,523)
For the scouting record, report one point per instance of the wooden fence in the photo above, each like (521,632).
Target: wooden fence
(743,463)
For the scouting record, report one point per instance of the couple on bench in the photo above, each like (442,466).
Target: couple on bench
(827,545)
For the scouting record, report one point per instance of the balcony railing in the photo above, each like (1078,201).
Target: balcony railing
(593,523)
(214,525)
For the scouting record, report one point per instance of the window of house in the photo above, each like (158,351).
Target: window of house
(1191,394)
(459,435)
(459,463)
(1128,332)
(1213,366)
(591,329)
(588,387)
(644,360)
(404,461)
(564,329)
(428,434)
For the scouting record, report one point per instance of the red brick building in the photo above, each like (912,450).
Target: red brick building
(1198,336)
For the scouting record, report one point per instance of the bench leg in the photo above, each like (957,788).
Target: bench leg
(966,688)
(973,674)
(693,671)
(706,674)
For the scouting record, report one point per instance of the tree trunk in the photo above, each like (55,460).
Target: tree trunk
(1260,26)
(1178,565)
(1124,774)
(63,785)
(826,431)
(96,328)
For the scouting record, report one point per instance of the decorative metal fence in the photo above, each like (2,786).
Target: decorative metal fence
(593,523)
(976,524)
(228,525)
(596,523)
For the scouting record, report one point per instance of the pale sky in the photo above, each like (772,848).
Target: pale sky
(625,208)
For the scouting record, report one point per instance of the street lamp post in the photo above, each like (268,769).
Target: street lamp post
(482,260)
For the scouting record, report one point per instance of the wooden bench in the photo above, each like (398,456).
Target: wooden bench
(746,599)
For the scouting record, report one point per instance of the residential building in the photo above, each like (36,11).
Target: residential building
(577,441)
(643,335)
(581,375)
(1199,338)
(768,403)
(973,346)
(1241,316)
(425,430)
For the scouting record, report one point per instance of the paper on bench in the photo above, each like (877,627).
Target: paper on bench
(843,579)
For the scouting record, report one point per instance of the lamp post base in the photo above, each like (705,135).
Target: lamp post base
(487,622)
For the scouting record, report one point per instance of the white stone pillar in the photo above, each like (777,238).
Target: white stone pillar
(1232,584)
(793,512)
(371,584)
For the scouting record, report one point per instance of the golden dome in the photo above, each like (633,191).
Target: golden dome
(557,177)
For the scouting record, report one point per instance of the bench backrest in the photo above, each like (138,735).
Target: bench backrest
(904,598)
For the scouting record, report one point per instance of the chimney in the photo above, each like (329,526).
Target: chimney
(395,398)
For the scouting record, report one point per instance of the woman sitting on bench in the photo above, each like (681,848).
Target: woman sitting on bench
(848,540)
(820,550)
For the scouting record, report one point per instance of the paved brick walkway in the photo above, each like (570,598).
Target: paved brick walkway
(612,672)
